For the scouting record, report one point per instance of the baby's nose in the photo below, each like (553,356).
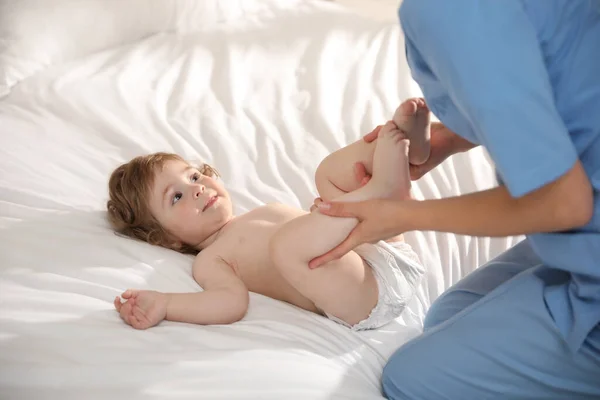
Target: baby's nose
(198,191)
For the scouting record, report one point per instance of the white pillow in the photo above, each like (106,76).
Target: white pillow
(35,34)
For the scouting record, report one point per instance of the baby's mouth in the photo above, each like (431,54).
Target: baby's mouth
(210,202)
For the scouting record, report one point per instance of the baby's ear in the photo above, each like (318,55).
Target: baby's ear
(176,245)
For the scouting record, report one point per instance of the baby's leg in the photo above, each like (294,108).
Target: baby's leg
(336,176)
(345,288)
(412,117)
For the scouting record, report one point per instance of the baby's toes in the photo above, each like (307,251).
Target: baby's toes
(388,127)
(407,109)
(397,135)
(421,103)
(400,134)
(387,131)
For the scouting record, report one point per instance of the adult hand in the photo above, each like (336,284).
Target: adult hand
(377,220)
(371,136)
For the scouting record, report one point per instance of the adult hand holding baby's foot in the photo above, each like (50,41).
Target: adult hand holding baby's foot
(142,309)
(443,143)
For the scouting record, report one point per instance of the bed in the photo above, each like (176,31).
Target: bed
(263,90)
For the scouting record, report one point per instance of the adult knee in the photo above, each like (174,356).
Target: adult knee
(403,374)
(447,306)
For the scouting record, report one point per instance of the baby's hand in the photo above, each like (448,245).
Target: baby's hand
(142,308)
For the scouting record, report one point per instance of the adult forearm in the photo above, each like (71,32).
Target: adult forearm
(455,142)
(460,144)
(561,205)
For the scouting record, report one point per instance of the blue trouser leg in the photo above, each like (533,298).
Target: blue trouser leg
(480,282)
(491,337)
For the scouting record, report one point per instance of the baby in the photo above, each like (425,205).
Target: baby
(163,200)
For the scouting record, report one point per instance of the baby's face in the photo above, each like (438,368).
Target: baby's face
(189,205)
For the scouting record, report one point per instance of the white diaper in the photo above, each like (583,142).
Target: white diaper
(398,271)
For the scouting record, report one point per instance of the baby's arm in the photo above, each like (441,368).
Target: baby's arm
(223,301)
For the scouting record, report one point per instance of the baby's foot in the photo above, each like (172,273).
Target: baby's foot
(412,117)
(391,177)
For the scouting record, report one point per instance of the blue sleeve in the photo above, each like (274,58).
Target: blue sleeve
(481,69)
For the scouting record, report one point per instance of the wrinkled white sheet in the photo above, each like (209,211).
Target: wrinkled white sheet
(264,101)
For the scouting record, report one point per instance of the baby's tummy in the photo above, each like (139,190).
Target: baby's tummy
(272,284)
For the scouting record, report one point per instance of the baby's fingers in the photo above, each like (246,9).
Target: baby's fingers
(126,312)
(140,318)
(129,293)
(135,322)
(117,303)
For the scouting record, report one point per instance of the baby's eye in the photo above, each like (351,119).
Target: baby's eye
(176,198)
(195,177)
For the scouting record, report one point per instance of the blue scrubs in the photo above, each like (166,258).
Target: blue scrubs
(521,78)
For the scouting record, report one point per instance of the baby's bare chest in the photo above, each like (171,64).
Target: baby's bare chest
(247,246)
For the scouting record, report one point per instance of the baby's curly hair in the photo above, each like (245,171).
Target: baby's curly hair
(129,189)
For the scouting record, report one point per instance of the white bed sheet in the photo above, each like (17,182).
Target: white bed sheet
(263,101)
